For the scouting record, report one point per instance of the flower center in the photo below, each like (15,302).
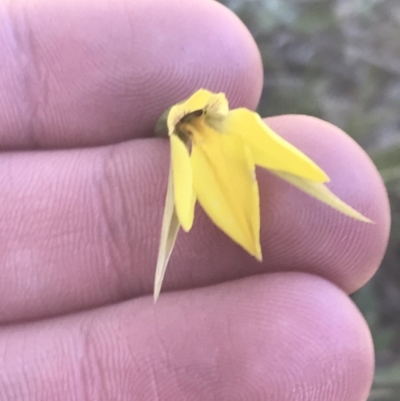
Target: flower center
(192,126)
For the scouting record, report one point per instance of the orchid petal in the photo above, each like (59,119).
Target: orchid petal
(225,185)
(182,183)
(269,150)
(200,100)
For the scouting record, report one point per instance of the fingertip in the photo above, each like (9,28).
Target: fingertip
(103,72)
(274,337)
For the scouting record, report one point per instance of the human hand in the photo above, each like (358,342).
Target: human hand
(82,189)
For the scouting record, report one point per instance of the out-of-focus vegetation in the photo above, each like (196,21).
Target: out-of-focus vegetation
(340,60)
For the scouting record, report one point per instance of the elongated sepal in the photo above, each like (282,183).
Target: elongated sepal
(321,192)
(269,150)
(169,232)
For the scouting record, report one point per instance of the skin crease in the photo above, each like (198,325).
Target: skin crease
(79,227)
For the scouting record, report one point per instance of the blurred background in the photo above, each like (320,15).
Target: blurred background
(340,60)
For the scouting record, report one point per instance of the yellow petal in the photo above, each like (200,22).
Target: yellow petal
(200,100)
(324,194)
(183,183)
(169,231)
(226,187)
(269,150)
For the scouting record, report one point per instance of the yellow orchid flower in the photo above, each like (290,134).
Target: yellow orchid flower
(214,152)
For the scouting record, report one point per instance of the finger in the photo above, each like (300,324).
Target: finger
(92,72)
(280,337)
(81,228)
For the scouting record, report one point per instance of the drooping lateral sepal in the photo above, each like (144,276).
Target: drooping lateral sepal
(169,232)
(324,194)
(269,150)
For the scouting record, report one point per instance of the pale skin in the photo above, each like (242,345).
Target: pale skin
(82,187)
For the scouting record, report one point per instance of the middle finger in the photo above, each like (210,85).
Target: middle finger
(81,228)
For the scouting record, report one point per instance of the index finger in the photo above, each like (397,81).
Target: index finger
(94,72)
